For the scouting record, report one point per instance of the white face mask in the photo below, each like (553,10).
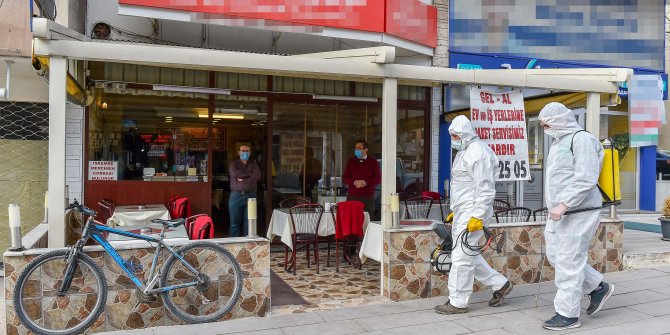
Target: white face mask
(551,132)
(457,144)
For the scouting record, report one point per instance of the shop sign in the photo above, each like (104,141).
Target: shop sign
(102,170)
(500,121)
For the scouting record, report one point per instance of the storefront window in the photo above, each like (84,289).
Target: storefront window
(133,139)
(409,181)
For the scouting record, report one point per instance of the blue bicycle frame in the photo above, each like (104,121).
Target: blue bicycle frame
(95,231)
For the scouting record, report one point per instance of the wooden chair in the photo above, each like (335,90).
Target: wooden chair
(293,201)
(541,214)
(499,204)
(305,220)
(346,241)
(514,214)
(418,207)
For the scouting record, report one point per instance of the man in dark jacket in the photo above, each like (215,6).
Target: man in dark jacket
(362,174)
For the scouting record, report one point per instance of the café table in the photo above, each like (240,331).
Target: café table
(151,229)
(280,225)
(137,215)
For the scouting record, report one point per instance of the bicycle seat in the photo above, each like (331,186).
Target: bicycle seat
(170,223)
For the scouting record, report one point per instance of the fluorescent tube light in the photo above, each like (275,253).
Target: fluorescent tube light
(190,89)
(237,111)
(223,116)
(343,98)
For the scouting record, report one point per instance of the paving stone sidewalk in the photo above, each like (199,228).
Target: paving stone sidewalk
(640,306)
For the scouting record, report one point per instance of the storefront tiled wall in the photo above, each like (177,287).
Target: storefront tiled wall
(122,310)
(408,274)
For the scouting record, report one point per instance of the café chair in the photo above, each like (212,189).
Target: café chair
(440,201)
(305,220)
(541,214)
(418,207)
(514,214)
(294,201)
(348,217)
(499,204)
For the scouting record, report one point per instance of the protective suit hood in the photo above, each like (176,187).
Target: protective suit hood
(560,118)
(462,127)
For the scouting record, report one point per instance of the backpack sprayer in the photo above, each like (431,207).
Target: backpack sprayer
(441,257)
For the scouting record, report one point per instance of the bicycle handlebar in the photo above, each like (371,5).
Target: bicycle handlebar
(81,208)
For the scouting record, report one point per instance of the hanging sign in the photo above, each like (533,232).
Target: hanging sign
(500,121)
(102,170)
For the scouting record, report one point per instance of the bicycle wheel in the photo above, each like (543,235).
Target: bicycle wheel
(43,311)
(216,296)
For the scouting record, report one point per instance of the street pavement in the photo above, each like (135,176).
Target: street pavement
(640,305)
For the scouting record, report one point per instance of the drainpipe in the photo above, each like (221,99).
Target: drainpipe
(4,92)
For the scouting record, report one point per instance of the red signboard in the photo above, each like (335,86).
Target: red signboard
(408,19)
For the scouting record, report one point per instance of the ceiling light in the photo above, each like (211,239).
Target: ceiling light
(223,116)
(104,105)
(190,89)
(343,98)
(237,111)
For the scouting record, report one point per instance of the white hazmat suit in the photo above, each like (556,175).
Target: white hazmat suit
(472,194)
(571,180)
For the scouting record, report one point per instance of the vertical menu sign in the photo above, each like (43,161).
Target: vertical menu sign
(500,121)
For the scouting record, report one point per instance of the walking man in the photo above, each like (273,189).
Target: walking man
(573,167)
(472,194)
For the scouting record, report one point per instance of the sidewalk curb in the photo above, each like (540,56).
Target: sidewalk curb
(645,260)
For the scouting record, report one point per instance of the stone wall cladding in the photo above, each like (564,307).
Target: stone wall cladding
(408,274)
(122,312)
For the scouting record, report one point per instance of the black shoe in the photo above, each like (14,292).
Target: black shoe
(448,308)
(500,294)
(598,297)
(560,322)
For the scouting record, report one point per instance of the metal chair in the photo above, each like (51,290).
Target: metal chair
(541,214)
(418,207)
(346,241)
(514,214)
(305,221)
(499,204)
(440,201)
(294,201)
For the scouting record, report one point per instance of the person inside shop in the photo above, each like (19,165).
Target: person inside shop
(244,176)
(310,172)
(572,171)
(472,194)
(361,175)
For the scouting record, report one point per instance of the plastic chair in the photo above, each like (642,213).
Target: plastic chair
(541,214)
(499,204)
(305,220)
(346,241)
(294,201)
(515,214)
(418,207)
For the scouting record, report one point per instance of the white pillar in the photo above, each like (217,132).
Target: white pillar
(593,114)
(389,140)
(57,107)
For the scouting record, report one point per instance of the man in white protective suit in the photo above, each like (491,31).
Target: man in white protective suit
(472,194)
(572,170)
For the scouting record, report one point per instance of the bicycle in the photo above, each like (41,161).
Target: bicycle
(200,281)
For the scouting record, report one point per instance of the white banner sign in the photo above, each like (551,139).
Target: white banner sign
(500,121)
(102,170)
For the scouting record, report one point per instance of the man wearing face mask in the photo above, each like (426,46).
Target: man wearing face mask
(244,176)
(362,174)
(472,194)
(573,167)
